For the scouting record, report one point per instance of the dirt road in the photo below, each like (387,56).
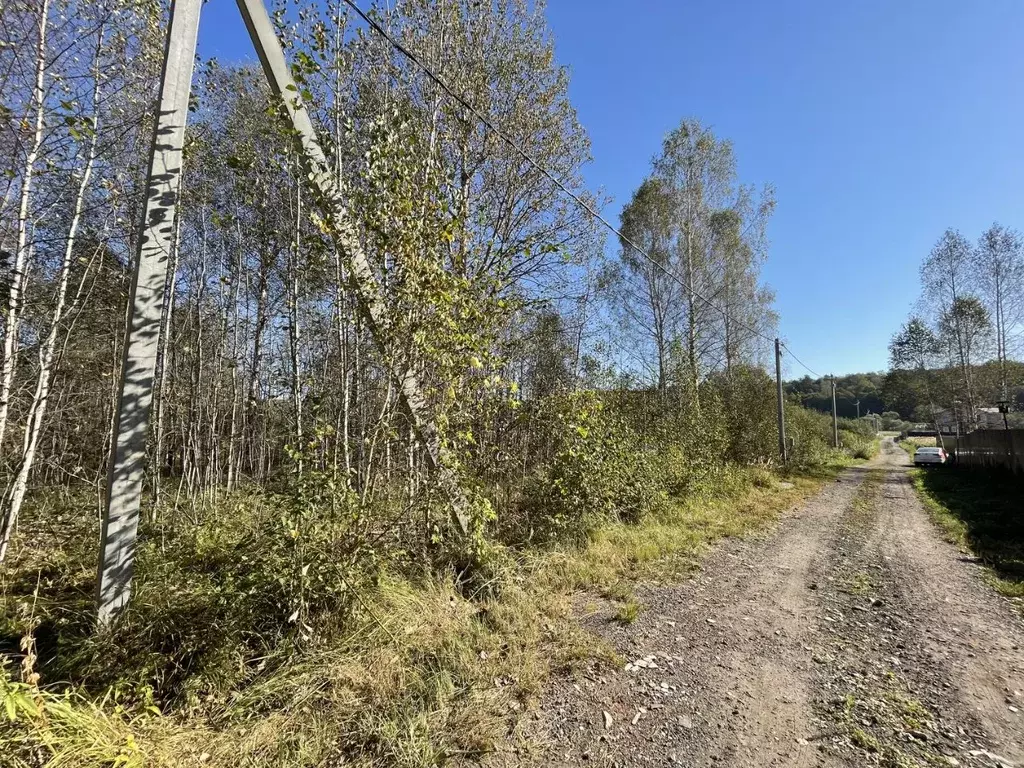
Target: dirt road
(852,635)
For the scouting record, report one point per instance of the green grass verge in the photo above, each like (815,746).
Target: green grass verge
(983,513)
(420,675)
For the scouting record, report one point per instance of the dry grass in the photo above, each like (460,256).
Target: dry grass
(423,676)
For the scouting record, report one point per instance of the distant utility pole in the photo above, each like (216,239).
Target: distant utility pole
(782,414)
(857,403)
(835,416)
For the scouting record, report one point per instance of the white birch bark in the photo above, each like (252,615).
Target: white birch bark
(47,355)
(21,254)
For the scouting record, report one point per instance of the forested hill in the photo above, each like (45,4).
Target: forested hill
(906,392)
(817,393)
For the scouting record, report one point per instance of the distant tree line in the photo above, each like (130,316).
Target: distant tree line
(962,348)
(853,391)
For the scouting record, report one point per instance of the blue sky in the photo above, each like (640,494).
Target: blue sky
(879,122)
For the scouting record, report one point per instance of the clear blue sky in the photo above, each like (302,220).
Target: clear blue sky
(879,122)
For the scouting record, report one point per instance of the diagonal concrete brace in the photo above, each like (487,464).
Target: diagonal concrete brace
(328,197)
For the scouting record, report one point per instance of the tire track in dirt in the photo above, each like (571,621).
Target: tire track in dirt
(976,634)
(851,635)
(719,667)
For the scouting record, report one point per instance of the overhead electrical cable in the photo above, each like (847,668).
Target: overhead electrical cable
(486,122)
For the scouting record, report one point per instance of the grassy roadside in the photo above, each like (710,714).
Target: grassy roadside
(423,674)
(982,513)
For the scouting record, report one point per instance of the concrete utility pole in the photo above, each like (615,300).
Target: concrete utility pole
(131,429)
(835,416)
(128,454)
(328,197)
(857,403)
(782,413)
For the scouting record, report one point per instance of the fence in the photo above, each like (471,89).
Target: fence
(992,448)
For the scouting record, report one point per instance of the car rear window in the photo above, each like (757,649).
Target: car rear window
(929,450)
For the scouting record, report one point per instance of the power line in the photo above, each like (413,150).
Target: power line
(376,27)
(812,371)
(526,156)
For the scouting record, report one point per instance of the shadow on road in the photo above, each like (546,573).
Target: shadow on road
(986,511)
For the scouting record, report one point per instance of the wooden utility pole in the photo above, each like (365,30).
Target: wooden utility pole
(835,416)
(131,428)
(782,414)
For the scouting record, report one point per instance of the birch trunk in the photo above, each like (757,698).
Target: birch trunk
(40,398)
(294,328)
(14,308)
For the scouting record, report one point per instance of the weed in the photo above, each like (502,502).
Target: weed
(859,584)
(620,590)
(864,740)
(628,612)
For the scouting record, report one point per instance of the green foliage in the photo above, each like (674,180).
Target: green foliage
(257,577)
(599,471)
(817,393)
(811,435)
(747,394)
(628,612)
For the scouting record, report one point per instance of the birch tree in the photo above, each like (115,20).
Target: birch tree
(998,265)
(699,171)
(19,268)
(944,277)
(649,292)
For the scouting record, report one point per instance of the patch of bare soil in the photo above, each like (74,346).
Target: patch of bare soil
(851,635)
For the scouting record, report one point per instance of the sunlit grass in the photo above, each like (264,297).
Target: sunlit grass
(422,674)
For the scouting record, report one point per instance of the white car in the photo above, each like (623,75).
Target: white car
(924,456)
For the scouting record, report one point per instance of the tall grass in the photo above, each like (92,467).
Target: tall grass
(419,673)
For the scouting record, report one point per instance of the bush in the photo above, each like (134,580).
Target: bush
(747,395)
(256,576)
(811,435)
(599,471)
(863,452)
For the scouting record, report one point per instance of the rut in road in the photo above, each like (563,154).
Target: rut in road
(852,635)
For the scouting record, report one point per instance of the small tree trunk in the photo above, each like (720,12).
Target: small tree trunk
(294,329)
(14,307)
(691,320)
(163,369)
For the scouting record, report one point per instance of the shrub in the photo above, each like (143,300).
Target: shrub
(747,396)
(863,452)
(256,576)
(811,435)
(761,477)
(598,471)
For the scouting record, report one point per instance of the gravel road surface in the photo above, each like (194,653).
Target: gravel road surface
(851,635)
